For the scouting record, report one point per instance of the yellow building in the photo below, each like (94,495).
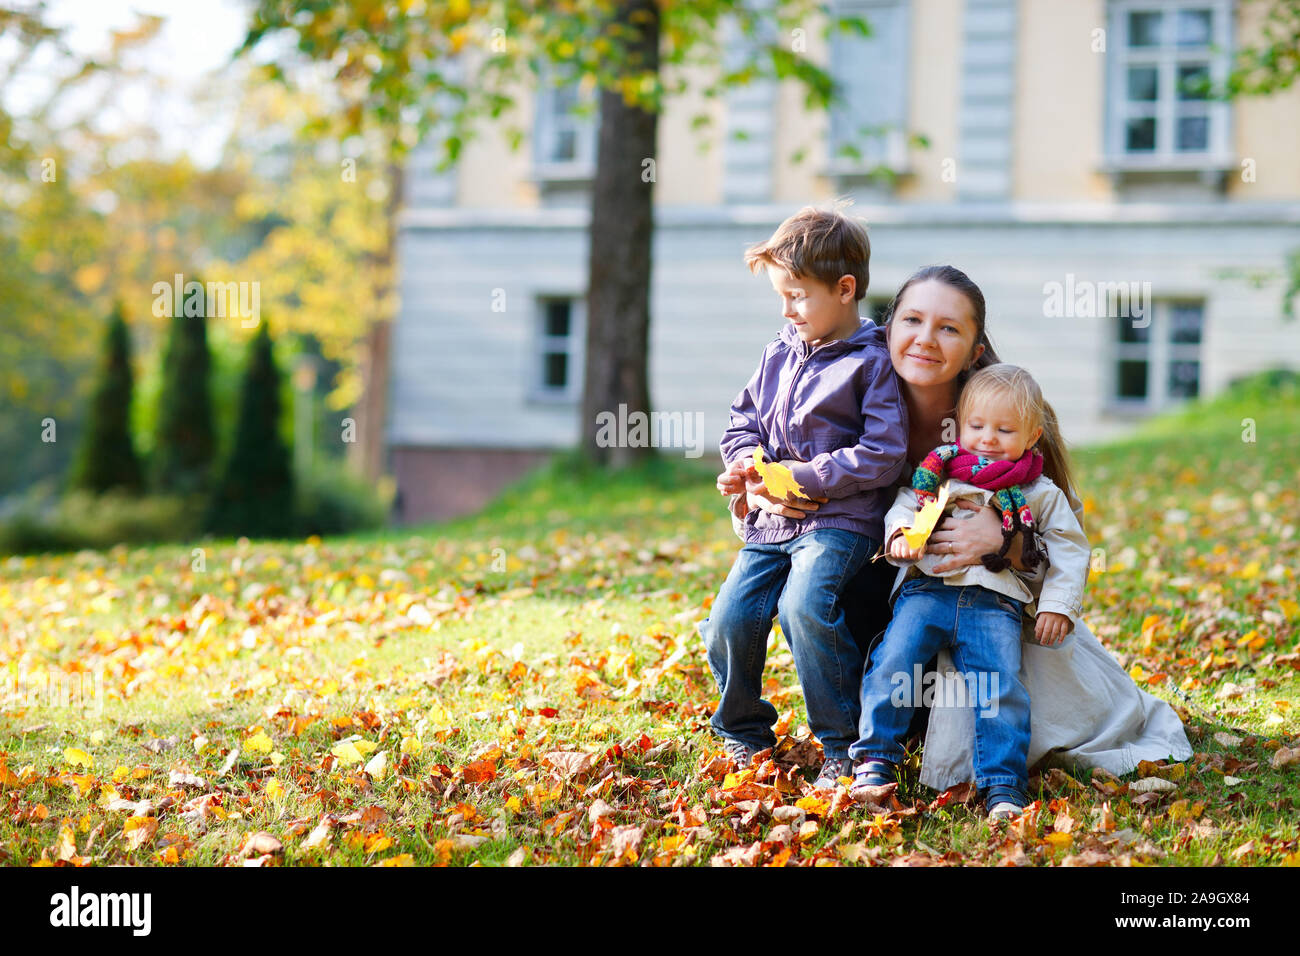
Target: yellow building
(1129,232)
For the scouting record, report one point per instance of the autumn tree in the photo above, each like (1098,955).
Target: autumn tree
(416,70)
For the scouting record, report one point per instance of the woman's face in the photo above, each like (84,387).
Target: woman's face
(932,335)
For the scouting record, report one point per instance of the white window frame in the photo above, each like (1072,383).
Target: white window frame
(1159,352)
(1166,58)
(550,123)
(890,147)
(573,345)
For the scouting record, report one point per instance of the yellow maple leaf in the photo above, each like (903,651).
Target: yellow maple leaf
(78,757)
(926,519)
(777,477)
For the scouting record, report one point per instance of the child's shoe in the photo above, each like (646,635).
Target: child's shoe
(831,772)
(871,775)
(740,753)
(1004,803)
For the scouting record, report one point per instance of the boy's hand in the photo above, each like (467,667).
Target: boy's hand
(759,497)
(1051,628)
(732,481)
(900,550)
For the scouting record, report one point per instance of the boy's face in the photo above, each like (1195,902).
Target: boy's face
(994,430)
(818,312)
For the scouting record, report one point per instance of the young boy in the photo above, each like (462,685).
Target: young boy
(825,403)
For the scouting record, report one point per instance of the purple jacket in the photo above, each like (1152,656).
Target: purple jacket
(837,411)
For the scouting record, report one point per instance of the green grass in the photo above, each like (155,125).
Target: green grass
(563,618)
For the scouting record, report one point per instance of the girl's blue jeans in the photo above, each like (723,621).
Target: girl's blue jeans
(800,580)
(983,629)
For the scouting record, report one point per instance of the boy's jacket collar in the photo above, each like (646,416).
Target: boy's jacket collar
(868,333)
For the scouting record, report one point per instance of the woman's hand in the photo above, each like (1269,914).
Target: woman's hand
(961,541)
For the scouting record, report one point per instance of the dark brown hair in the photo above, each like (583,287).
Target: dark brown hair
(954,278)
(1056,458)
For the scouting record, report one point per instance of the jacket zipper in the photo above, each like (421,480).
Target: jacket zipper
(789,396)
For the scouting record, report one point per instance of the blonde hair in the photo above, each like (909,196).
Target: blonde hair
(1013,385)
(822,243)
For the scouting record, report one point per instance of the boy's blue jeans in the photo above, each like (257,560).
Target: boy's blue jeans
(801,580)
(983,629)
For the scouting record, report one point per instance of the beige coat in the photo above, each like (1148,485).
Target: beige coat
(1059,588)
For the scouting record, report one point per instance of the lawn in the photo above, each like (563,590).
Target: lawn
(526,686)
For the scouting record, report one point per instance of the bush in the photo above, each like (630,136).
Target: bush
(331,499)
(83,520)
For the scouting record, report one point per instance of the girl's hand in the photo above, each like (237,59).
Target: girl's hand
(959,542)
(1051,628)
(900,550)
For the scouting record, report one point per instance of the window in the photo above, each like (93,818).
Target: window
(1159,363)
(1167,57)
(558,355)
(564,135)
(867,125)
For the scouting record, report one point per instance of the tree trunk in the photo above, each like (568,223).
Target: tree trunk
(622,229)
(368,452)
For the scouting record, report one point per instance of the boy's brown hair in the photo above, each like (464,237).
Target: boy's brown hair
(822,243)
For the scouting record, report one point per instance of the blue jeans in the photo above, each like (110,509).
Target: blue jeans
(983,629)
(801,580)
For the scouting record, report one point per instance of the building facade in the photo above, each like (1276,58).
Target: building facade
(1131,233)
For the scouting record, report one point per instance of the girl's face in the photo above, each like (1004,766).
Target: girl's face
(932,335)
(993,428)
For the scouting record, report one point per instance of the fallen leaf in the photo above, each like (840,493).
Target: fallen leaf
(137,831)
(1284,757)
(78,758)
(261,843)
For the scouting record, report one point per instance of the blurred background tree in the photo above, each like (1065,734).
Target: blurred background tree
(405,72)
(107,458)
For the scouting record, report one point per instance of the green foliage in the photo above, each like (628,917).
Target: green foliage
(332,499)
(186,444)
(81,520)
(107,458)
(445,67)
(255,495)
(1273,63)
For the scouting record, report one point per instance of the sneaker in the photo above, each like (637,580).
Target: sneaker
(740,754)
(873,773)
(1004,803)
(831,772)
(1005,810)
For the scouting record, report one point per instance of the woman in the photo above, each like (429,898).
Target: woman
(1085,710)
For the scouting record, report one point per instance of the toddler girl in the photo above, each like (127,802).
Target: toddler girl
(976,610)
